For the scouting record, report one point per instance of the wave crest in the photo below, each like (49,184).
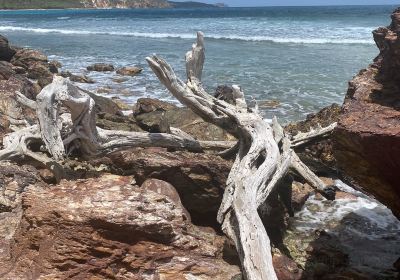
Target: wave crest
(192,36)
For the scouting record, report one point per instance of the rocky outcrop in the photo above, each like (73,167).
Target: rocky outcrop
(367,139)
(74,236)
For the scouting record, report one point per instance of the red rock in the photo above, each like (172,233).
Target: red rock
(109,228)
(367,139)
(286,268)
(199,178)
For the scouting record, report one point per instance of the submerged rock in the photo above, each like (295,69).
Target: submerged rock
(129,71)
(101,67)
(81,79)
(73,235)
(367,139)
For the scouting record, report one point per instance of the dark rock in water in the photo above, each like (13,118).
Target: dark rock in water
(101,67)
(80,78)
(129,71)
(109,228)
(65,74)
(6,52)
(6,70)
(367,139)
(199,178)
(318,155)
(147,105)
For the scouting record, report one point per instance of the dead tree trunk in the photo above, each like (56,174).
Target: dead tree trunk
(264,157)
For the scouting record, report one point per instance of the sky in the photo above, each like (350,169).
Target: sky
(258,3)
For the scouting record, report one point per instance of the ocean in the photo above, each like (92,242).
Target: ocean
(293,60)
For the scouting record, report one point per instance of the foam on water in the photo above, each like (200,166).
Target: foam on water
(379,221)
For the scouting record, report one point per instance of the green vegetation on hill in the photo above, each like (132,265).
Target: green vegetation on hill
(40,4)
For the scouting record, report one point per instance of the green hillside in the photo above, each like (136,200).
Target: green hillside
(40,4)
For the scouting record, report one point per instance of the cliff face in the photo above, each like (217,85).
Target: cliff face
(367,140)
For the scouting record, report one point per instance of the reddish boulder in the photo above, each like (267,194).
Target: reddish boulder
(199,178)
(367,139)
(109,228)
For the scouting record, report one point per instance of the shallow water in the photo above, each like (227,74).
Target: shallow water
(366,229)
(301,57)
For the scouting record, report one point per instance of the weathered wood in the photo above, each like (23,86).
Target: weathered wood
(264,156)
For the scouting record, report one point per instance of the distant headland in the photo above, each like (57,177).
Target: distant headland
(102,4)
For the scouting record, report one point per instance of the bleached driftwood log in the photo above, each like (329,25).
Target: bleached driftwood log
(67,123)
(264,156)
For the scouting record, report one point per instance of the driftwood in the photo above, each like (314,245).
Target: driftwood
(67,123)
(264,156)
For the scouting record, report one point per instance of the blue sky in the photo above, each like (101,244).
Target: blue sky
(237,3)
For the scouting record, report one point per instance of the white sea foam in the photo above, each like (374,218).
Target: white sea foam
(192,36)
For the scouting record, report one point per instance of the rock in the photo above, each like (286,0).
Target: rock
(318,155)
(38,70)
(225,93)
(109,228)
(6,70)
(117,122)
(45,80)
(14,179)
(26,57)
(120,80)
(367,139)
(6,52)
(121,104)
(129,71)
(104,104)
(9,104)
(100,67)
(81,79)
(147,105)
(165,188)
(199,178)
(184,119)
(300,194)
(286,268)
(65,74)
(4,127)
(54,65)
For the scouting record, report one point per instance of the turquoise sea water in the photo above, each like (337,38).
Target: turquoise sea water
(301,57)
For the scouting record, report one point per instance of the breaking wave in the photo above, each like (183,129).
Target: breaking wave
(192,36)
